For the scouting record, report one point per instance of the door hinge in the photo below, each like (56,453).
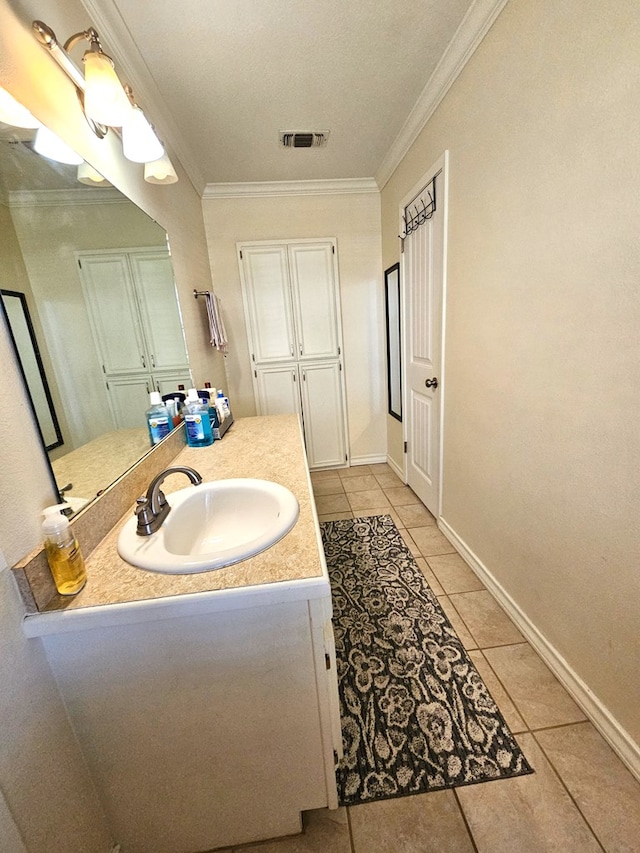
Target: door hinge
(340,365)
(327,660)
(103,370)
(253,358)
(405,447)
(333,250)
(339,350)
(107,384)
(255,373)
(240,254)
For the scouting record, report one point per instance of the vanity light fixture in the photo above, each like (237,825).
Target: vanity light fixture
(105,101)
(13,113)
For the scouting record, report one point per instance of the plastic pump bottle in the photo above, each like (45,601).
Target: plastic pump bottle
(222,404)
(197,421)
(63,552)
(158,419)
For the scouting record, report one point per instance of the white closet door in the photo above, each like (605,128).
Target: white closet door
(129,400)
(268,302)
(315,299)
(108,289)
(277,390)
(156,292)
(324,423)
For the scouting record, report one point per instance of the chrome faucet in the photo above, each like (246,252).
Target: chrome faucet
(152,508)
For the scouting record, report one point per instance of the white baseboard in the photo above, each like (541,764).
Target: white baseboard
(374,459)
(395,467)
(615,735)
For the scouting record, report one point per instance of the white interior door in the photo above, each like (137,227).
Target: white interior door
(277,390)
(423,265)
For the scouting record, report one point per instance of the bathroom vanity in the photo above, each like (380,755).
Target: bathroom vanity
(206,705)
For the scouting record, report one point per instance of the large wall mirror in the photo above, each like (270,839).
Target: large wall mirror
(93,275)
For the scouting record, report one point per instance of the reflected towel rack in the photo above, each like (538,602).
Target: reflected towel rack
(197,293)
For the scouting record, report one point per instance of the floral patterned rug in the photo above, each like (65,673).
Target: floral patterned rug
(416,716)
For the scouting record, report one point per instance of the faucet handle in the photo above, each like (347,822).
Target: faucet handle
(144,515)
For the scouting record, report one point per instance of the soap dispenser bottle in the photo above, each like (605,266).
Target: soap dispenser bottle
(63,552)
(158,422)
(197,422)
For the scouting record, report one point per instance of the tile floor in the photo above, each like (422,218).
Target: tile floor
(581,797)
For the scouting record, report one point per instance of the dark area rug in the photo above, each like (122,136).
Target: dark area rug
(416,716)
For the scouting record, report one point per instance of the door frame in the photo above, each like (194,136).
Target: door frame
(440,165)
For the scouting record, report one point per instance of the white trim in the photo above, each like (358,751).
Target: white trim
(372,459)
(54,198)
(616,736)
(473,28)
(396,469)
(256,189)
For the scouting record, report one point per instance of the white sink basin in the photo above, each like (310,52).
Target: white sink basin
(211,526)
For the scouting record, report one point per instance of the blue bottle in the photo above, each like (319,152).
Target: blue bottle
(158,421)
(196,420)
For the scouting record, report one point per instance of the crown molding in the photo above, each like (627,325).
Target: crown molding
(106,18)
(340,186)
(54,198)
(473,28)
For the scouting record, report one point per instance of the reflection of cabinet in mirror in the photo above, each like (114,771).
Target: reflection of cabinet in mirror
(293,321)
(136,324)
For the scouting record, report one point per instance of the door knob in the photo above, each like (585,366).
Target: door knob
(431,383)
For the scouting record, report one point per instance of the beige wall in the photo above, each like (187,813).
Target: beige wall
(542,390)
(354,219)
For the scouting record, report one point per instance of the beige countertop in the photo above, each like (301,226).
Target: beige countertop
(268,448)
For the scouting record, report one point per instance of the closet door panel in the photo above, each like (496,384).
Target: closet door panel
(129,399)
(108,290)
(277,390)
(156,292)
(268,303)
(315,299)
(324,424)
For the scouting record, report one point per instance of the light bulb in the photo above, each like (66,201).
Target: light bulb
(48,145)
(13,113)
(105,100)
(88,175)
(160,171)
(139,141)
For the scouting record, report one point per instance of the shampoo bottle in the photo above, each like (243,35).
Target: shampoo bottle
(158,420)
(197,422)
(63,552)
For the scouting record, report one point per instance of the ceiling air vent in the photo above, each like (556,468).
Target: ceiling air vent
(303,138)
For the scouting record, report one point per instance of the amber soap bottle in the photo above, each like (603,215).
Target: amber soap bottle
(63,552)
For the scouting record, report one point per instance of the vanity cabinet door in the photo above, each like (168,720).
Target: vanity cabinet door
(111,303)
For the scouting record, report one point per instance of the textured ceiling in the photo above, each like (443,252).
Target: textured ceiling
(228,75)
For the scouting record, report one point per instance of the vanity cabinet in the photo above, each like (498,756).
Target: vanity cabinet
(136,325)
(292,310)
(206,729)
